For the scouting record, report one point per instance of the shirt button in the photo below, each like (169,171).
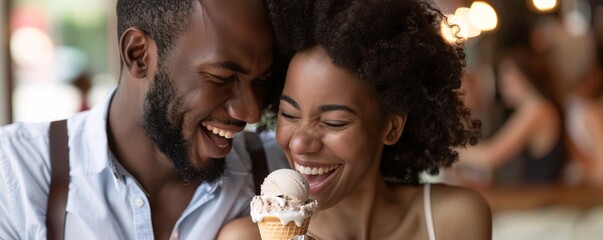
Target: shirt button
(138,202)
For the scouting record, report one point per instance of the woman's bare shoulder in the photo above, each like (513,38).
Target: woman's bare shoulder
(460,212)
(240,228)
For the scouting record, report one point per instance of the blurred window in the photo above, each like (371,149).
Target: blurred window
(59,57)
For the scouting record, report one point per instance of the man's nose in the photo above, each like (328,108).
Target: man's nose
(244,104)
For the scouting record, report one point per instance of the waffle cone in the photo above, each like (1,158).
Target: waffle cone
(271,228)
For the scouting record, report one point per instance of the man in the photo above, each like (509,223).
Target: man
(148,162)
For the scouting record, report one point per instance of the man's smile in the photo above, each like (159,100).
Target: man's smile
(218,131)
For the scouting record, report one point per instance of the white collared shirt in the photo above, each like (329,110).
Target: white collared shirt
(105,202)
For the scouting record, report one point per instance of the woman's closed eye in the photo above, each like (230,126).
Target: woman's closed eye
(288,116)
(335,124)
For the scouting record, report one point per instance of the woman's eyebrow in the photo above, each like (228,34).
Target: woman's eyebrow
(290,101)
(336,107)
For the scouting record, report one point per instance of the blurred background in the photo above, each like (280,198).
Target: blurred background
(58,57)
(534,79)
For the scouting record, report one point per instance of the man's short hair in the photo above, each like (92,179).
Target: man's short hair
(163,20)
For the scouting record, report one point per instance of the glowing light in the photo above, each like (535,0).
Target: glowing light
(483,16)
(461,26)
(449,33)
(544,5)
(30,46)
(463,19)
(45,101)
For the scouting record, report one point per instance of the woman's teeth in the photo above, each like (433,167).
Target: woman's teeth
(314,171)
(221,132)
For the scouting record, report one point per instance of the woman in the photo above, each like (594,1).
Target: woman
(372,100)
(534,133)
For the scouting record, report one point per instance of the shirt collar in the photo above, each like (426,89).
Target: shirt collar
(94,147)
(91,138)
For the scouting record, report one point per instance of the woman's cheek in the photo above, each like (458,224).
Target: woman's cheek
(283,135)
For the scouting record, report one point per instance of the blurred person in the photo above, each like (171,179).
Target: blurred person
(83,82)
(157,158)
(584,124)
(584,110)
(532,137)
(371,100)
(479,89)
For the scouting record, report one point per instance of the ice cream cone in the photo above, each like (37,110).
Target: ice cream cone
(271,228)
(284,196)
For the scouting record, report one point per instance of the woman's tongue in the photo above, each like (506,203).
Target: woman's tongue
(314,180)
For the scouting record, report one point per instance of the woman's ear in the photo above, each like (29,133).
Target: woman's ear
(134,48)
(394,125)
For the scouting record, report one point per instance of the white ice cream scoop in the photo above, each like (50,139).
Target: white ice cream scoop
(286,182)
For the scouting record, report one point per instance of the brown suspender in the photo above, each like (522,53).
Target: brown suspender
(59,180)
(259,166)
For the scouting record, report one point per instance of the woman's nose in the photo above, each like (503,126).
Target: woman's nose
(305,142)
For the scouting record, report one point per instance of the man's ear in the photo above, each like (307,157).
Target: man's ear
(394,125)
(135,50)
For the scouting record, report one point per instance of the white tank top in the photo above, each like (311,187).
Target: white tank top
(427,208)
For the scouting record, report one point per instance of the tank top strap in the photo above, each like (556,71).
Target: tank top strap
(427,208)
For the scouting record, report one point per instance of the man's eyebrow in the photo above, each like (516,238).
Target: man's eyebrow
(230,66)
(290,101)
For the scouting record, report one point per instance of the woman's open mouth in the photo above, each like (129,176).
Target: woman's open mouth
(317,177)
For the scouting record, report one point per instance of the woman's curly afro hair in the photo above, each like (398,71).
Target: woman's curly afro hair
(394,46)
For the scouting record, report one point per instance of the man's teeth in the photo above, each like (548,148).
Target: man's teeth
(223,133)
(314,171)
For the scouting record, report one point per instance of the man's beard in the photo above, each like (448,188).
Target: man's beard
(165,127)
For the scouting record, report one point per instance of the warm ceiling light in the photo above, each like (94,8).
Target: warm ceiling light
(449,32)
(544,5)
(462,17)
(483,16)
